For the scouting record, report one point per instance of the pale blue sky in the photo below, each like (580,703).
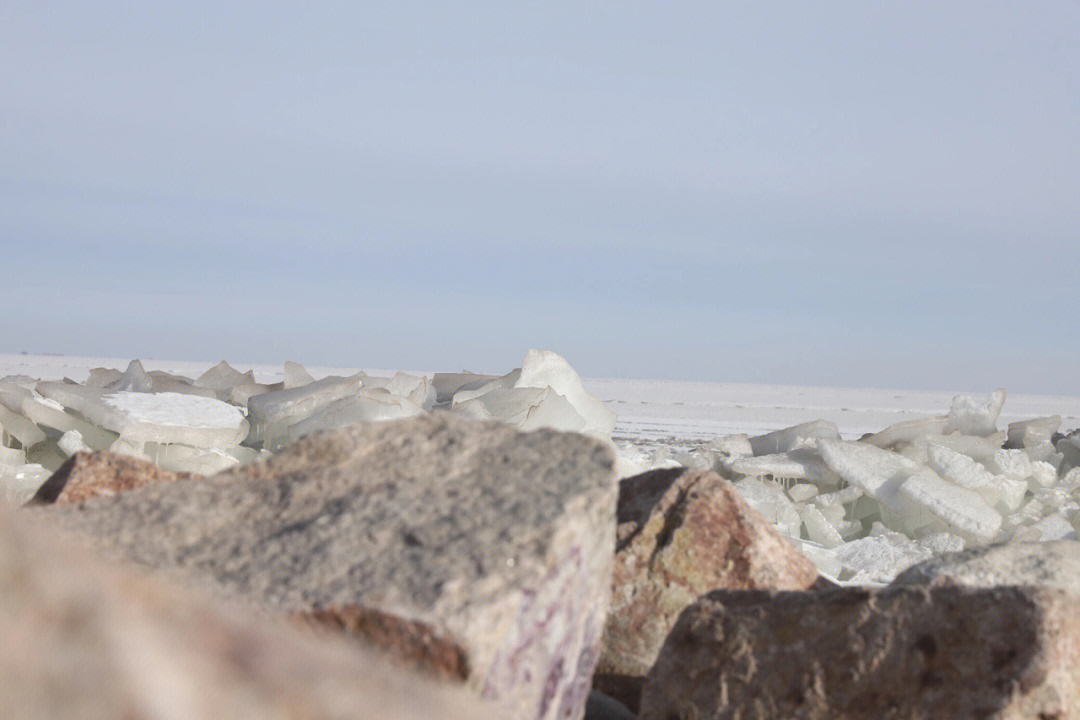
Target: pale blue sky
(856,193)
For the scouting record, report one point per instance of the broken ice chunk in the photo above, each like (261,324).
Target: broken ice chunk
(789,438)
(1028,433)
(242,394)
(878,558)
(527,408)
(19,484)
(14,424)
(134,379)
(51,414)
(731,446)
(979,449)
(907,431)
(1055,527)
(292,406)
(1013,464)
(188,459)
(446,384)
(366,406)
(544,368)
(777,466)
(768,498)
(870,468)
(941,542)
(1011,494)
(416,389)
(101,377)
(975,416)
(801,492)
(71,442)
(818,528)
(958,507)
(825,560)
(295,376)
(47,455)
(699,458)
(11,456)
(222,378)
(475,390)
(957,468)
(1042,474)
(123,446)
(174,418)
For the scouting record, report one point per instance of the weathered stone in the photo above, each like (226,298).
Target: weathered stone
(101,473)
(682,533)
(905,651)
(1054,564)
(470,547)
(85,640)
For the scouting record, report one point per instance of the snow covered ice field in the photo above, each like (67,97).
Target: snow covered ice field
(947,474)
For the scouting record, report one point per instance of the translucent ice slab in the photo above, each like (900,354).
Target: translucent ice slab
(301,402)
(780,441)
(18,484)
(222,378)
(544,368)
(19,427)
(295,376)
(907,431)
(446,384)
(366,406)
(526,408)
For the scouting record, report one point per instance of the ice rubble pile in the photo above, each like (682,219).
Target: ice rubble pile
(224,417)
(866,510)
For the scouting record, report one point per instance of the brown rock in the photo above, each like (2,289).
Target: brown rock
(932,652)
(100,474)
(85,640)
(680,534)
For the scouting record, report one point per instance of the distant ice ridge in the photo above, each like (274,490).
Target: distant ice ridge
(866,510)
(224,417)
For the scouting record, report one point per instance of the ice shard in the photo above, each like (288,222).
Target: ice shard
(793,437)
(544,368)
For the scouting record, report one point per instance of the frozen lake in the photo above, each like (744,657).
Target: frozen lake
(657,411)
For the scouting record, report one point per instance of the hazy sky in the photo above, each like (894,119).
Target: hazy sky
(855,193)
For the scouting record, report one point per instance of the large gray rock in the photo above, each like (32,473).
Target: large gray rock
(1054,564)
(907,651)
(467,547)
(682,533)
(84,640)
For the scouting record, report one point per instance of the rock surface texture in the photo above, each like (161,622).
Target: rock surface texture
(468,547)
(1054,564)
(84,640)
(101,474)
(929,652)
(682,533)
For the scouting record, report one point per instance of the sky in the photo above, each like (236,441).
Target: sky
(829,193)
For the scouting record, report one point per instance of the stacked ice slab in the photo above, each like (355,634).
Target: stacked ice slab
(865,510)
(224,417)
